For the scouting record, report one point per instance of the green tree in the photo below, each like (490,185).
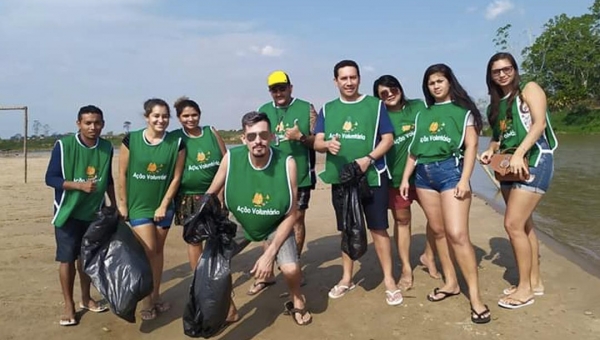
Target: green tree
(502,39)
(565,61)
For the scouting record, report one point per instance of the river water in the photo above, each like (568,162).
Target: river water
(570,211)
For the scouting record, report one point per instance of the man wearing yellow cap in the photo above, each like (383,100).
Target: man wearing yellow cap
(292,123)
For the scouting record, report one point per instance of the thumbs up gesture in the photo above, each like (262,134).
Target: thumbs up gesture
(293,133)
(334,145)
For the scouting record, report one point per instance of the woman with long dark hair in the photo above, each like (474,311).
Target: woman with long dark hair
(521,125)
(443,152)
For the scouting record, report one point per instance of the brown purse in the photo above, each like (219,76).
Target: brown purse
(500,163)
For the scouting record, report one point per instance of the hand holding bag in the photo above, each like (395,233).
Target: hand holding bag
(500,163)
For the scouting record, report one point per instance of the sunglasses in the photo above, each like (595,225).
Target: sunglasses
(264,135)
(508,70)
(278,88)
(385,94)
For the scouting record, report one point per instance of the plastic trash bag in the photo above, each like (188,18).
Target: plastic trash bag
(117,264)
(209,300)
(354,189)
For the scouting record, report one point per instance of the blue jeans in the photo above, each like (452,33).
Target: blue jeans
(165,223)
(439,176)
(539,176)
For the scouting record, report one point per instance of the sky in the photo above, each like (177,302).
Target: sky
(59,55)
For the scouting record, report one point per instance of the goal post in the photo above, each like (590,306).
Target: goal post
(24,109)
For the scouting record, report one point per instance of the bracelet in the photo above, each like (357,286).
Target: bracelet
(373,160)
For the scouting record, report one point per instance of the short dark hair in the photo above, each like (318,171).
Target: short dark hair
(345,63)
(152,102)
(89,109)
(183,102)
(391,82)
(253,117)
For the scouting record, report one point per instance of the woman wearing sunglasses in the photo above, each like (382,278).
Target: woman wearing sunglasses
(443,152)
(402,113)
(520,123)
(204,151)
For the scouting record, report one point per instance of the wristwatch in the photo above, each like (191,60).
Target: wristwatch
(303,139)
(373,160)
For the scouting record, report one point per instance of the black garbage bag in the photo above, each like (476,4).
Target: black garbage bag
(209,300)
(354,189)
(117,264)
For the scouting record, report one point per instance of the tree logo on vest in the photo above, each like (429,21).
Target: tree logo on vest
(506,129)
(348,130)
(435,128)
(203,158)
(152,173)
(260,200)
(90,171)
(408,132)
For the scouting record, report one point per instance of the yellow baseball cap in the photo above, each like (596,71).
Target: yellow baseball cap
(278,77)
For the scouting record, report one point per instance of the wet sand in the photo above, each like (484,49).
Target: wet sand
(32,302)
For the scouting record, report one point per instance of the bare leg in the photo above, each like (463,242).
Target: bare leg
(519,208)
(382,243)
(402,235)
(456,221)
(66,275)
(194,253)
(428,257)
(292,275)
(85,283)
(146,234)
(300,231)
(161,238)
(432,206)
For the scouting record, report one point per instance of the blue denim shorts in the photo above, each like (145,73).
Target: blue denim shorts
(439,176)
(165,223)
(539,176)
(68,239)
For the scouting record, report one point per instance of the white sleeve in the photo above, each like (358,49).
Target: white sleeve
(470,120)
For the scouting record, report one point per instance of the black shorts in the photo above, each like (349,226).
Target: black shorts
(303,197)
(375,208)
(68,239)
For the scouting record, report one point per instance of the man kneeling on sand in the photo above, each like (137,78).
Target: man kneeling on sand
(260,191)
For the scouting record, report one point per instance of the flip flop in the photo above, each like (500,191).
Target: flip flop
(479,318)
(258,287)
(148,314)
(516,304)
(291,310)
(162,307)
(512,289)
(96,309)
(68,322)
(444,294)
(340,290)
(405,285)
(393,298)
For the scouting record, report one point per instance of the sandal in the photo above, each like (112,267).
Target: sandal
(510,290)
(162,307)
(258,287)
(340,290)
(148,314)
(405,284)
(393,298)
(67,321)
(96,309)
(291,310)
(512,303)
(480,318)
(436,291)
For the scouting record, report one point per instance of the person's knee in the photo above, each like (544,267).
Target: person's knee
(513,228)
(458,237)
(291,269)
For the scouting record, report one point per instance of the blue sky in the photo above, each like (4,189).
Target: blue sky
(58,55)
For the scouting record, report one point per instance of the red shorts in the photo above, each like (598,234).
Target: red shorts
(397,202)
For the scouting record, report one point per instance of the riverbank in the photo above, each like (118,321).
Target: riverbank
(30,293)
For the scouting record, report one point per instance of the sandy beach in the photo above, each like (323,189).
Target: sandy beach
(31,299)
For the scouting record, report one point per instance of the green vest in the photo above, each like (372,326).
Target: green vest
(203,156)
(439,133)
(259,199)
(79,164)
(512,132)
(355,124)
(149,172)
(282,118)
(404,129)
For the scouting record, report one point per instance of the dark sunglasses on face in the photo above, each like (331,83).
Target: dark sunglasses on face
(264,135)
(508,70)
(388,93)
(278,88)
